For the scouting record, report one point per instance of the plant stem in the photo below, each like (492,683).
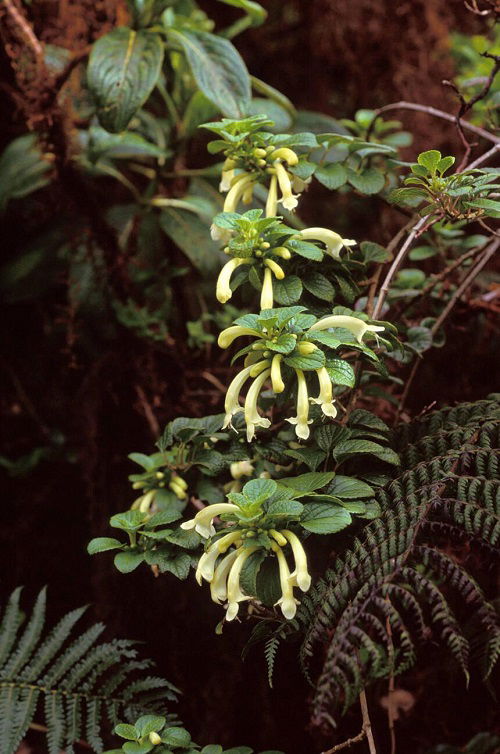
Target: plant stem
(367,726)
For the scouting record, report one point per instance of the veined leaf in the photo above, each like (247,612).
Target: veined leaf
(218,69)
(123,69)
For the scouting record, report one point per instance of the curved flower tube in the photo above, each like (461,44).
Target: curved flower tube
(243,181)
(300,575)
(325,397)
(287,601)
(220,234)
(227,336)
(227,175)
(272,198)
(202,522)
(234,593)
(288,199)
(356,326)
(206,564)
(232,403)
(241,468)
(218,585)
(223,290)
(286,154)
(302,420)
(266,295)
(252,416)
(274,266)
(276,379)
(333,241)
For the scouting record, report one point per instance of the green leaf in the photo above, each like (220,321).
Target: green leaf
(287,291)
(371,181)
(134,747)
(341,372)
(332,176)
(324,518)
(213,748)
(319,286)
(129,520)
(362,418)
(349,448)
(147,462)
(218,69)
(102,544)
(178,564)
(347,488)
(419,338)
(120,146)
(309,482)
(328,434)
(445,164)
(422,252)
(283,344)
(192,236)
(430,160)
(412,196)
(312,457)
(305,249)
(373,252)
(126,731)
(491,207)
(123,69)
(284,508)
(127,561)
(257,490)
(250,571)
(23,169)
(176,737)
(149,724)
(314,360)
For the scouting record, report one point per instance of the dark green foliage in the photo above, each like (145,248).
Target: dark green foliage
(76,685)
(398,585)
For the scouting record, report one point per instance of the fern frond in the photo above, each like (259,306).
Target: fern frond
(394,587)
(73,685)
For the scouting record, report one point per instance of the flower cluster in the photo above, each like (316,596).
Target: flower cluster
(289,343)
(266,244)
(249,527)
(156,478)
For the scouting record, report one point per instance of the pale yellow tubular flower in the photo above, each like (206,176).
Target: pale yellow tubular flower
(176,488)
(333,241)
(288,199)
(286,154)
(278,537)
(241,468)
(305,348)
(299,185)
(146,501)
(227,336)
(248,194)
(266,294)
(252,416)
(287,601)
(223,290)
(274,266)
(356,326)
(272,198)
(325,397)
(206,564)
(220,234)
(202,522)
(302,420)
(283,252)
(236,192)
(234,593)
(300,575)
(231,403)
(218,585)
(227,175)
(276,379)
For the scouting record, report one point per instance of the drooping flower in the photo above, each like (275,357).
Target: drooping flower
(223,290)
(300,575)
(276,379)
(302,420)
(287,601)
(357,327)
(325,397)
(218,585)
(232,404)
(227,336)
(206,564)
(220,234)
(234,593)
(266,294)
(333,241)
(240,184)
(288,199)
(272,198)
(252,417)
(202,522)
(241,468)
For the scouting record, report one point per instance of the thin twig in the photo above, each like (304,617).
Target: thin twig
(26,30)
(418,228)
(390,695)
(148,412)
(436,113)
(350,741)
(367,725)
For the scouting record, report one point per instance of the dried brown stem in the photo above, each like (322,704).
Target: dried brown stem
(26,31)
(367,725)
(345,744)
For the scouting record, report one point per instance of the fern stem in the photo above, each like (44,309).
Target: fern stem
(367,725)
